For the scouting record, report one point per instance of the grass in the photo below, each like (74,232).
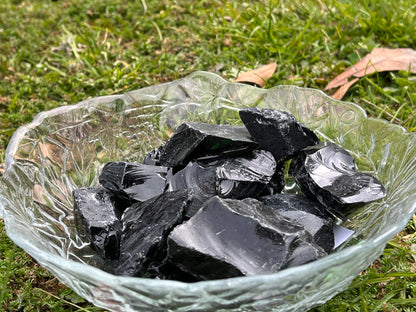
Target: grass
(61,52)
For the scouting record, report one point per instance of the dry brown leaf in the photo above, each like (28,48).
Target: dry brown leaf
(380,59)
(339,94)
(258,76)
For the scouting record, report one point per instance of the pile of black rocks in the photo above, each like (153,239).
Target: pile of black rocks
(208,204)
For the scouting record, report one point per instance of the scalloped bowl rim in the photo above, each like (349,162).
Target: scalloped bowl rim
(97,274)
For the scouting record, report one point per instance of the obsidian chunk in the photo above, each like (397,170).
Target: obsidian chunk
(277,182)
(146,226)
(229,237)
(95,212)
(153,157)
(133,181)
(327,173)
(194,176)
(257,166)
(277,131)
(193,140)
(252,175)
(307,212)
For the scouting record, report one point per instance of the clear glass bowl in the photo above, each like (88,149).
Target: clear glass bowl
(65,148)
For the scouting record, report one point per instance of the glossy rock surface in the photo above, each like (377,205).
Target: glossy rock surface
(250,175)
(146,226)
(192,140)
(200,178)
(257,166)
(153,157)
(327,173)
(230,237)
(277,131)
(307,212)
(137,182)
(237,177)
(95,212)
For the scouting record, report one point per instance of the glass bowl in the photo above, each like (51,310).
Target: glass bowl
(65,148)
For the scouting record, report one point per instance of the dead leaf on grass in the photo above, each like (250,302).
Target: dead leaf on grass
(379,60)
(339,94)
(258,76)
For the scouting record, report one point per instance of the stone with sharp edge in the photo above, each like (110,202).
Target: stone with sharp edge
(146,226)
(133,181)
(250,175)
(327,173)
(193,140)
(307,212)
(228,238)
(277,131)
(95,211)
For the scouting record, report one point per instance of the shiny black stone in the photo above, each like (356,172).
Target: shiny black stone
(307,212)
(202,179)
(250,175)
(168,271)
(133,181)
(153,157)
(96,216)
(195,139)
(257,166)
(228,238)
(146,226)
(328,174)
(236,177)
(277,131)
(277,182)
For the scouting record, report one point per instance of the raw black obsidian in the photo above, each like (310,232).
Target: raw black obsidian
(229,237)
(307,212)
(327,173)
(146,226)
(235,177)
(192,140)
(277,131)
(250,175)
(153,157)
(137,182)
(95,212)
(202,179)
(277,182)
(257,166)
